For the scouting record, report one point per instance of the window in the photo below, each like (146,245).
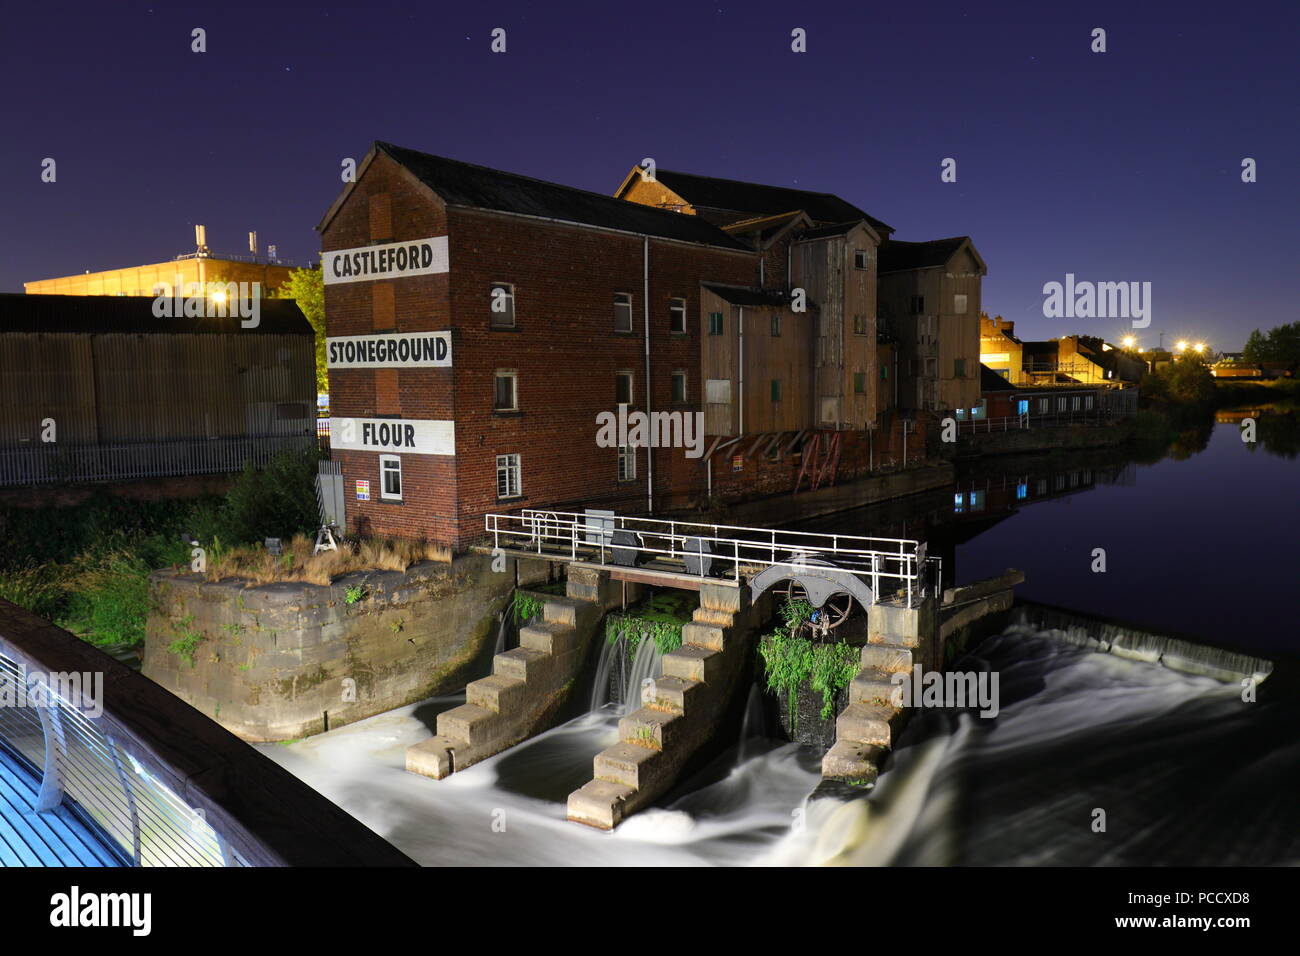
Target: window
(884,372)
(717,391)
(1076,403)
(776,325)
(626,463)
(677,315)
(1022,491)
(959,303)
(622,312)
(859,382)
(715,323)
(1022,406)
(1042,486)
(679,386)
(505,391)
(1060,404)
(1087,402)
(508,483)
(959,368)
(980,411)
(1044,405)
(859,325)
(390,478)
(776,389)
(961,414)
(918,304)
(861,259)
(623,388)
(502,304)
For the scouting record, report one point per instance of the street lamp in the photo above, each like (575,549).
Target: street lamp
(1129,341)
(1181,346)
(1200,346)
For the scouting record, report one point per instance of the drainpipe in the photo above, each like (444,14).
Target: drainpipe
(649,452)
(740,387)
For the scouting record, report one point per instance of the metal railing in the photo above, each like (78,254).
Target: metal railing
(158,781)
(39,463)
(741,550)
(81,767)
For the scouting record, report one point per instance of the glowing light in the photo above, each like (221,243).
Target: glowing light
(1181,346)
(219,297)
(1129,341)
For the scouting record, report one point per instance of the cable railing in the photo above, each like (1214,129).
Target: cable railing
(609,539)
(158,781)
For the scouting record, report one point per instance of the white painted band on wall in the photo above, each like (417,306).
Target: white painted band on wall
(389,350)
(400,435)
(390,260)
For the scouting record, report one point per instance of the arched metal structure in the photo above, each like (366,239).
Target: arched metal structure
(818,577)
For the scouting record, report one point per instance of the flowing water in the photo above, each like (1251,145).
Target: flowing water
(1183,770)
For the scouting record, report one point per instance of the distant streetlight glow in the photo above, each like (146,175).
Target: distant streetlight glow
(1181,346)
(219,297)
(1129,341)
(1200,346)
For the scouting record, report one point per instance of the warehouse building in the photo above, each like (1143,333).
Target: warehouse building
(481,323)
(98,388)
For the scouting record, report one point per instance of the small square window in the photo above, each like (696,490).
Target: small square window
(623,388)
(861,259)
(501,302)
(776,389)
(677,315)
(505,392)
(390,477)
(959,368)
(884,372)
(859,382)
(715,323)
(959,304)
(622,312)
(679,386)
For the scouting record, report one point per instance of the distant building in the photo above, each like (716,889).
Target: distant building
(1068,360)
(1030,405)
(96,388)
(200,266)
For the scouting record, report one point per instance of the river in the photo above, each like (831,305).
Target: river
(1178,768)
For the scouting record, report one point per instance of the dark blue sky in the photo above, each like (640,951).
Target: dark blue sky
(1115,166)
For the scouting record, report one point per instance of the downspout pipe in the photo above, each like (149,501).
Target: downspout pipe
(649,452)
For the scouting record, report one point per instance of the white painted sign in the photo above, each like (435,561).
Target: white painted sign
(389,350)
(391,260)
(394,435)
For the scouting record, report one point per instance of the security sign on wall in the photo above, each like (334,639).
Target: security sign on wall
(391,260)
(394,435)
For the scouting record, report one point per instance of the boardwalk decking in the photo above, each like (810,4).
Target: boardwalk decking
(53,838)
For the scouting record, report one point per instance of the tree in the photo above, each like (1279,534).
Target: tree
(1279,346)
(1188,380)
(307,288)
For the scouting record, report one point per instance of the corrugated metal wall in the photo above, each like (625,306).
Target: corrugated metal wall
(126,405)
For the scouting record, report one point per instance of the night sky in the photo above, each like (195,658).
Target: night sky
(1122,166)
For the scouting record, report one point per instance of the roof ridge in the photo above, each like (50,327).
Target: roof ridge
(745,182)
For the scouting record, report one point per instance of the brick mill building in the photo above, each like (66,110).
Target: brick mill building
(480,322)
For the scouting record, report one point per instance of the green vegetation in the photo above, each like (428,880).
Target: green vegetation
(660,619)
(307,288)
(526,607)
(86,567)
(1278,346)
(354,594)
(1186,381)
(790,660)
(189,639)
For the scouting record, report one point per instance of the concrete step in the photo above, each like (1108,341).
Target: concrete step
(892,658)
(713,618)
(872,685)
(468,722)
(894,640)
(599,803)
(562,609)
(674,693)
(551,637)
(866,724)
(523,663)
(692,663)
(703,635)
(496,692)
(433,757)
(648,727)
(626,763)
(849,760)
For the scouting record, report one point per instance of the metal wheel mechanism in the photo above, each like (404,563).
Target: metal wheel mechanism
(826,618)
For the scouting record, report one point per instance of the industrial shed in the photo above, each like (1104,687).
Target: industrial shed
(97,388)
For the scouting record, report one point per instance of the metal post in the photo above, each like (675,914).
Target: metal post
(130,799)
(51,794)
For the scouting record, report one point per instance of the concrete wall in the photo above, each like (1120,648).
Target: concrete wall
(273,660)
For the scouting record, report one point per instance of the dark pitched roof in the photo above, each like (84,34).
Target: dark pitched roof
(762,200)
(897,256)
(465,184)
(748,296)
(134,313)
(835,229)
(991,381)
